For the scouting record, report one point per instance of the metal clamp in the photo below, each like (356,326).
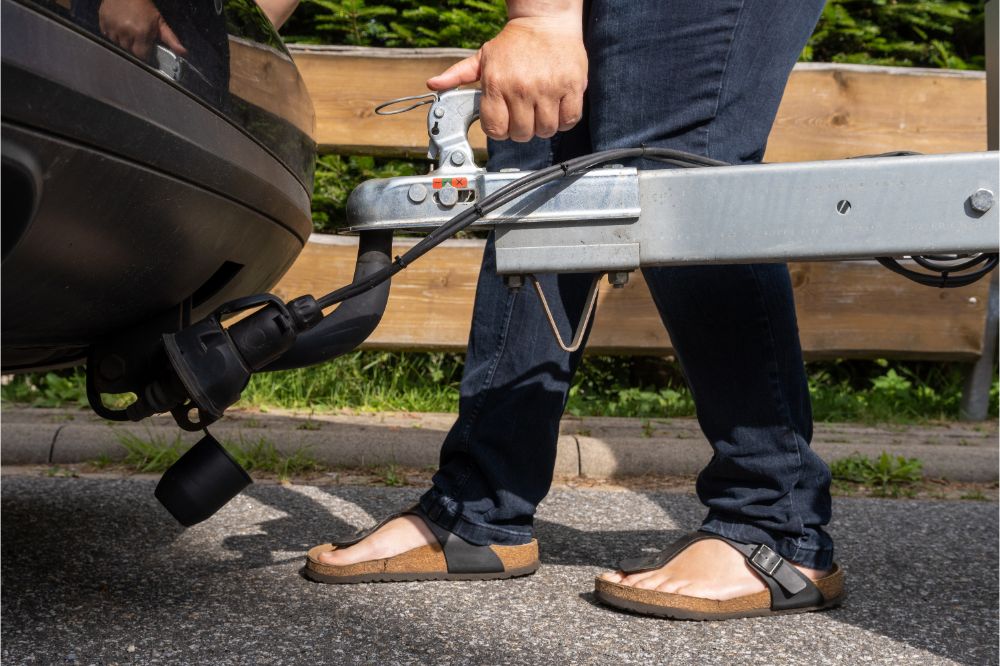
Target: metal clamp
(584,322)
(451,114)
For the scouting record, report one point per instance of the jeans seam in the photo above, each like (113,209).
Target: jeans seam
(481,393)
(722,79)
(782,401)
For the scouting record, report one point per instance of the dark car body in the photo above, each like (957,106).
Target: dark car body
(140,194)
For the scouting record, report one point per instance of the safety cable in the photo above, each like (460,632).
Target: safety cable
(505,195)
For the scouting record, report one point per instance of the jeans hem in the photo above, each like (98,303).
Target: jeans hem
(813,552)
(443,511)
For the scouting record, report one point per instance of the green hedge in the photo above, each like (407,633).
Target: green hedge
(932,33)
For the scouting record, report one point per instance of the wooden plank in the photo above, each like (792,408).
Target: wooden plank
(347,83)
(829,111)
(845,309)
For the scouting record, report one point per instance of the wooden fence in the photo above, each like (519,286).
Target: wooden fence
(846,309)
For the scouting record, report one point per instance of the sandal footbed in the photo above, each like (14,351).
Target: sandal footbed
(679,606)
(423,563)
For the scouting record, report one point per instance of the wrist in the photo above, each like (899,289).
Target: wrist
(561,14)
(562,25)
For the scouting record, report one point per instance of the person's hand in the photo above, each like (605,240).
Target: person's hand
(533,75)
(136,26)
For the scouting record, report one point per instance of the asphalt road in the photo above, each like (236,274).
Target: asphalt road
(95,572)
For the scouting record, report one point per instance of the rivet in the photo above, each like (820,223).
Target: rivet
(417,193)
(981,200)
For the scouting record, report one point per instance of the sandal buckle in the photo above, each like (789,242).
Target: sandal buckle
(765,559)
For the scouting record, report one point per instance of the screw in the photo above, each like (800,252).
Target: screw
(417,193)
(458,158)
(439,112)
(448,197)
(981,200)
(618,279)
(513,282)
(843,206)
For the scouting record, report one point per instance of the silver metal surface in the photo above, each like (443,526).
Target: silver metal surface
(448,130)
(845,209)
(780,212)
(602,194)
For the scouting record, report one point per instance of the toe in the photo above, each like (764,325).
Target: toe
(651,582)
(331,557)
(613,576)
(671,586)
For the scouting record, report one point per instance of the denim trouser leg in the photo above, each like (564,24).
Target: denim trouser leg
(668,73)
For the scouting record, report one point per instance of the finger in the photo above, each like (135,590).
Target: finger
(521,123)
(546,119)
(493,115)
(141,47)
(168,37)
(462,72)
(570,111)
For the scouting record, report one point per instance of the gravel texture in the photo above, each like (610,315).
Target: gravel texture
(95,572)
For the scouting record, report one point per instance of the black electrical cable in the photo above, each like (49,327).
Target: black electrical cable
(942,277)
(505,195)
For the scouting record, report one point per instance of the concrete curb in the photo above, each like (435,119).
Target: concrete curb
(592,447)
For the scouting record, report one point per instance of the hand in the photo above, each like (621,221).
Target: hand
(136,26)
(533,77)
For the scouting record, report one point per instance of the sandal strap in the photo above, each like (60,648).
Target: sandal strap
(789,587)
(460,555)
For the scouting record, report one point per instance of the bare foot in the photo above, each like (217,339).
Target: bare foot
(395,537)
(708,569)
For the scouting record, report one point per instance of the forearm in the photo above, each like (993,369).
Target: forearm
(278,11)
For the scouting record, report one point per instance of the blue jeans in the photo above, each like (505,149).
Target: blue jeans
(705,78)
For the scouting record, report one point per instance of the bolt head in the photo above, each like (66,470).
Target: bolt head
(457,158)
(513,281)
(448,196)
(618,279)
(417,193)
(982,200)
(439,112)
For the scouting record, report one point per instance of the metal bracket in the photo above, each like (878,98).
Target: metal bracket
(581,328)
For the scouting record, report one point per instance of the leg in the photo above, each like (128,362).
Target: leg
(497,460)
(711,83)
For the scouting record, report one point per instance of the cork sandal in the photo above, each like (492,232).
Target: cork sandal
(789,590)
(451,558)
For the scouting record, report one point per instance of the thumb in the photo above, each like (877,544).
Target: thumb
(168,37)
(463,71)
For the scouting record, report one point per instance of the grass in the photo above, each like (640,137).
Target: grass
(155,453)
(642,387)
(885,476)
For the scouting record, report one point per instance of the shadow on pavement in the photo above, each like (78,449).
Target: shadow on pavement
(82,552)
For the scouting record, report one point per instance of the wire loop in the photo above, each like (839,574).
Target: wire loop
(426,98)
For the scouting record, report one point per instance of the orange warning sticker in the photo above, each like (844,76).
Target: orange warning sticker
(458,182)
